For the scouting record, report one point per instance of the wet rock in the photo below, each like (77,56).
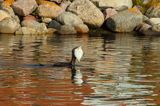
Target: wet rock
(24,7)
(3,15)
(67,29)
(54,24)
(9,25)
(68,18)
(125,21)
(81,28)
(50,10)
(113,3)
(88,12)
(109,12)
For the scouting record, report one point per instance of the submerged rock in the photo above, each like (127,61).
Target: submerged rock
(24,7)
(88,12)
(125,21)
(9,25)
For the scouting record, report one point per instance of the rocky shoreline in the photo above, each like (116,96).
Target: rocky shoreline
(77,16)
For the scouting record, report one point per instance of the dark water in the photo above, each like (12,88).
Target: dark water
(117,70)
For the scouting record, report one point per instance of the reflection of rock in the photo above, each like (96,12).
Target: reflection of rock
(77,76)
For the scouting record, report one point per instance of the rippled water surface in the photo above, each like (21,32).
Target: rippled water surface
(116,70)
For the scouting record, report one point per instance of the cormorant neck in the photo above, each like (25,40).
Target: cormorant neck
(73,60)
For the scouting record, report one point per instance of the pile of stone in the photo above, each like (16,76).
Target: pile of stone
(74,16)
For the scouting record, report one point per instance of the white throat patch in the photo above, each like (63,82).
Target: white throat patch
(78,53)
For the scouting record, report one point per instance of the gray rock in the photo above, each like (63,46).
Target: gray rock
(67,29)
(24,7)
(88,12)
(54,24)
(68,18)
(125,21)
(9,25)
(113,3)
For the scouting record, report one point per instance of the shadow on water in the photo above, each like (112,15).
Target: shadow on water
(117,69)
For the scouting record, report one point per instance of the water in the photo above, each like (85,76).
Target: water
(116,70)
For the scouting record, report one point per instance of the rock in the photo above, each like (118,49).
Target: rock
(29,17)
(68,18)
(4,15)
(46,20)
(67,29)
(113,3)
(9,2)
(49,11)
(81,28)
(54,24)
(7,8)
(125,21)
(88,12)
(153,11)
(34,24)
(64,5)
(57,1)
(143,27)
(156,27)
(154,21)
(32,31)
(9,25)
(24,7)
(109,12)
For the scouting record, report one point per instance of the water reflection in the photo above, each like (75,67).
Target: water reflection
(117,70)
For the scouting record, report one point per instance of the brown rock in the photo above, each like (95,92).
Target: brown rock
(82,28)
(49,10)
(24,7)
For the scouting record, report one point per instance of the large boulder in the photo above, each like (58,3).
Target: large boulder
(81,28)
(113,3)
(24,7)
(125,21)
(154,21)
(88,12)
(9,25)
(109,12)
(3,15)
(68,18)
(49,10)
(153,11)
